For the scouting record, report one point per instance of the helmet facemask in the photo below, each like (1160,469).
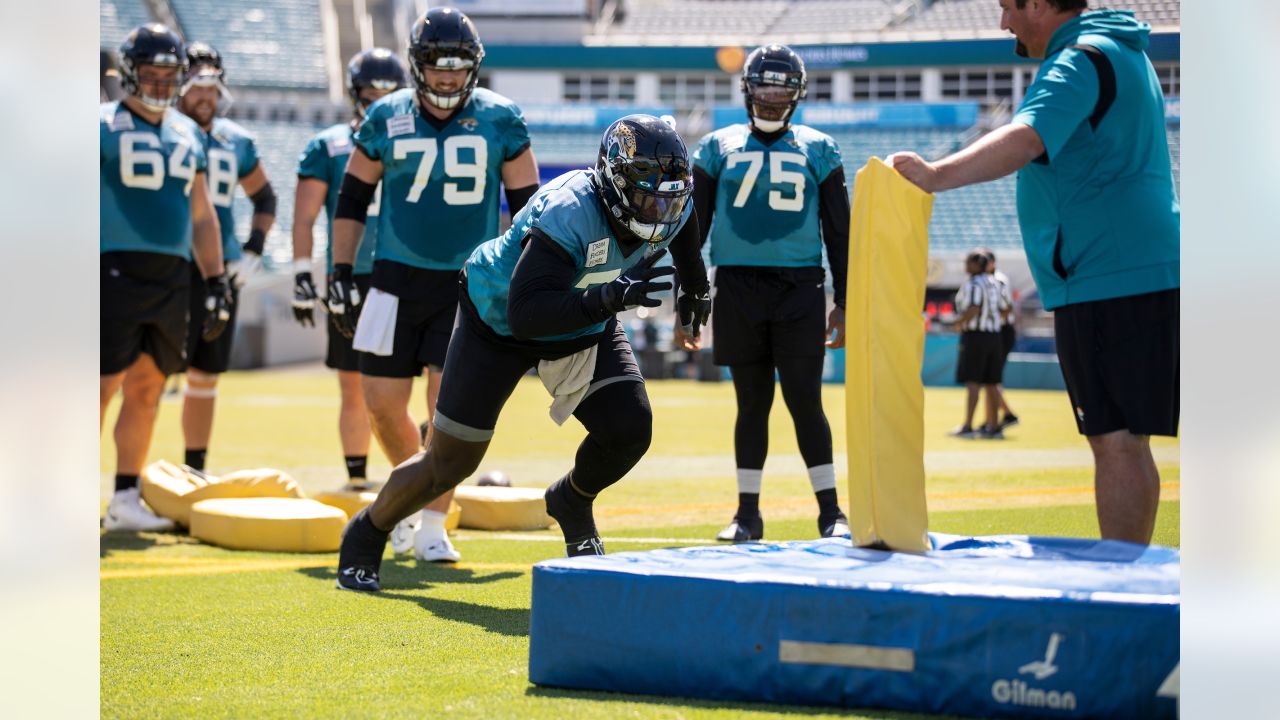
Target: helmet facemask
(771,105)
(445,59)
(207,76)
(133,83)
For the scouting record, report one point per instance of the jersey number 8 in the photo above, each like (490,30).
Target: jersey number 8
(454,167)
(777,174)
(142,150)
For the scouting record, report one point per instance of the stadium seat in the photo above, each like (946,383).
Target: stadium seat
(117,17)
(264,43)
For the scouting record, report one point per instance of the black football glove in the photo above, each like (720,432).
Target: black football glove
(343,300)
(692,311)
(304,299)
(217,305)
(632,288)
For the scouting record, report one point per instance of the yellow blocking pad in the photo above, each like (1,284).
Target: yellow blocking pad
(502,508)
(351,502)
(268,524)
(884,395)
(171,490)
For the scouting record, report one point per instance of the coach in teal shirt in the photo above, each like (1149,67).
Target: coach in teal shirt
(1100,223)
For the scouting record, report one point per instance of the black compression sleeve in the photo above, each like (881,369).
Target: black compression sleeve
(704,202)
(264,201)
(833,211)
(542,301)
(517,198)
(686,255)
(353,198)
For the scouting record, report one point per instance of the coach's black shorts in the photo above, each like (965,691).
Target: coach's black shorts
(341,356)
(482,370)
(210,357)
(760,313)
(981,358)
(428,304)
(143,309)
(1120,360)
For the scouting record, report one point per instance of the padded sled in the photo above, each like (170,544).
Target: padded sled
(171,490)
(502,508)
(268,524)
(996,626)
(351,502)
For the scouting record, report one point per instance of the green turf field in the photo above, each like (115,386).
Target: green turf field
(194,631)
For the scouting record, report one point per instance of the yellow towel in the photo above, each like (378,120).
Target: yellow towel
(884,405)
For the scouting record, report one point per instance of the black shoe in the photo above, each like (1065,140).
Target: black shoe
(360,555)
(591,546)
(836,525)
(744,528)
(987,432)
(362,578)
(964,431)
(1008,421)
(575,518)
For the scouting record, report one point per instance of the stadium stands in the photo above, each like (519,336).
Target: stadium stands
(279,145)
(820,16)
(117,18)
(264,43)
(699,17)
(1175,155)
(957,15)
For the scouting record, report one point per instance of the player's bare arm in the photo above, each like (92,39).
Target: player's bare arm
(206,237)
(347,231)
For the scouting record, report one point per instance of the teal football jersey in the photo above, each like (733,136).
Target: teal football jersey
(146,175)
(440,184)
(325,159)
(568,211)
(231,155)
(766,211)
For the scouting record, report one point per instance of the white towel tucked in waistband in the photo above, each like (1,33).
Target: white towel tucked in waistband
(568,379)
(376,330)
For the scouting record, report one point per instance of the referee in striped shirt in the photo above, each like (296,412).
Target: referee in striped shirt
(981,350)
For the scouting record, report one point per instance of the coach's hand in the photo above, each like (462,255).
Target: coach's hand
(217,305)
(692,310)
(835,328)
(304,299)
(343,300)
(632,288)
(916,169)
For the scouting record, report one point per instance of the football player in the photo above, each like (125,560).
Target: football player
(770,193)
(232,160)
(371,74)
(155,210)
(545,294)
(441,150)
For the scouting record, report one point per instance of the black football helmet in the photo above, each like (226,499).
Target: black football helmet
(152,44)
(445,39)
(377,68)
(643,176)
(204,67)
(773,83)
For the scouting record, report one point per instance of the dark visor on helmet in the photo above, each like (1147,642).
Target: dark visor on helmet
(658,208)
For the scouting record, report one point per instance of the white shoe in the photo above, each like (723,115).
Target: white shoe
(435,549)
(126,512)
(403,534)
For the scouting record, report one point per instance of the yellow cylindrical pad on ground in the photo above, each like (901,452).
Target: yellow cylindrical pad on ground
(268,524)
(502,508)
(352,502)
(171,490)
(884,353)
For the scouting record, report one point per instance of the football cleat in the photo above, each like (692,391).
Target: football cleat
(964,431)
(834,526)
(743,529)
(126,513)
(434,549)
(403,534)
(361,578)
(591,546)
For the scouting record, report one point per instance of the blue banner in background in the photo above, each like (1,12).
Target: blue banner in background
(583,117)
(872,115)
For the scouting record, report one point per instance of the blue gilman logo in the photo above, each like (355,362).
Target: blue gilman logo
(1017,691)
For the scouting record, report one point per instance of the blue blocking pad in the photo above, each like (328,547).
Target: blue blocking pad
(1005,626)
